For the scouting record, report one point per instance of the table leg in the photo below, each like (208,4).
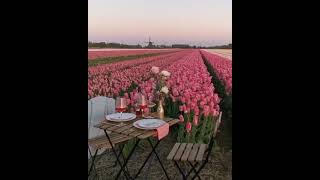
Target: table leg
(144,163)
(154,150)
(117,158)
(126,161)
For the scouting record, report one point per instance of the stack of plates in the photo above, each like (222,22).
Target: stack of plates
(148,123)
(117,117)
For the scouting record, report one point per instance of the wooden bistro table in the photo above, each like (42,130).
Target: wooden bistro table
(128,131)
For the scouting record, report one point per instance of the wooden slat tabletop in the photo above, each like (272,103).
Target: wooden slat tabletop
(127,128)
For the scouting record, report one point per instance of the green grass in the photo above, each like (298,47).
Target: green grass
(107,60)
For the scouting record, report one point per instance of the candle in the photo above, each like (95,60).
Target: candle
(122,103)
(143,100)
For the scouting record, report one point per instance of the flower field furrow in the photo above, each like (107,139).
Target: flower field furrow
(222,67)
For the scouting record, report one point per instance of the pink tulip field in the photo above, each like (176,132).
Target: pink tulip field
(110,79)
(192,96)
(223,68)
(102,54)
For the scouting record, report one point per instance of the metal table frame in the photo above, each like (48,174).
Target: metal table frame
(139,134)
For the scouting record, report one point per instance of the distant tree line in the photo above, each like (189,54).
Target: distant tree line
(229,46)
(111,45)
(118,45)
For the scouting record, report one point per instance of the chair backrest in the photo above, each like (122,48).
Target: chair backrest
(217,125)
(214,133)
(98,107)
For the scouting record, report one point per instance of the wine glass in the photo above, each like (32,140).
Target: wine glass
(121,106)
(150,106)
(137,109)
(142,103)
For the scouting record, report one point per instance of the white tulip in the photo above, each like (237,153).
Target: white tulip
(155,69)
(165,73)
(164,90)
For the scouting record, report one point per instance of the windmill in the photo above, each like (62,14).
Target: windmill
(150,43)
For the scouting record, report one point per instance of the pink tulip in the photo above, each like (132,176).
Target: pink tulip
(175,92)
(187,109)
(181,108)
(181,118)
(215,113)
(155,70)
(202,103)
(188,127)
(196,111)
(195,120)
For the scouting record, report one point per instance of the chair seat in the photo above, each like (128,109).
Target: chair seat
(187,152)
(102,141)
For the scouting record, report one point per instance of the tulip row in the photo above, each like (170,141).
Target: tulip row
(108,68)
(222,68)
(114,53)
(193,94)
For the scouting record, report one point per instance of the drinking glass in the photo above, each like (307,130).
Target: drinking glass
(121,106)
(142,103)
(150,106)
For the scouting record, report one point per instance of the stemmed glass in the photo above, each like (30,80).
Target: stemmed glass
(150,106)
(121,106)
(142,103)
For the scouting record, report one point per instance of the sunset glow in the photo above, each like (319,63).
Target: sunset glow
(196,22)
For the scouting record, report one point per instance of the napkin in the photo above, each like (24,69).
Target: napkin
(163,131)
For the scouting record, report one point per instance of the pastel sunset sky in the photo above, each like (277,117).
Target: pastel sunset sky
(195,22)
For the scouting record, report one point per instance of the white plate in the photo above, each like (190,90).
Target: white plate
(148,123)
(149,117)
(135,124)
(117,117)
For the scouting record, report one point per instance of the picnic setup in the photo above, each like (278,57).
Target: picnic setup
(147,116)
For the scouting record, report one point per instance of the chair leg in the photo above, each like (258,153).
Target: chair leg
(124,159)
(181,172)
(92,163)
(193,168)
(197,172)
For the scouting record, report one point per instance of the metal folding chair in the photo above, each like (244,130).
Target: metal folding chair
(193,154)
(98,107)
(102,144)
